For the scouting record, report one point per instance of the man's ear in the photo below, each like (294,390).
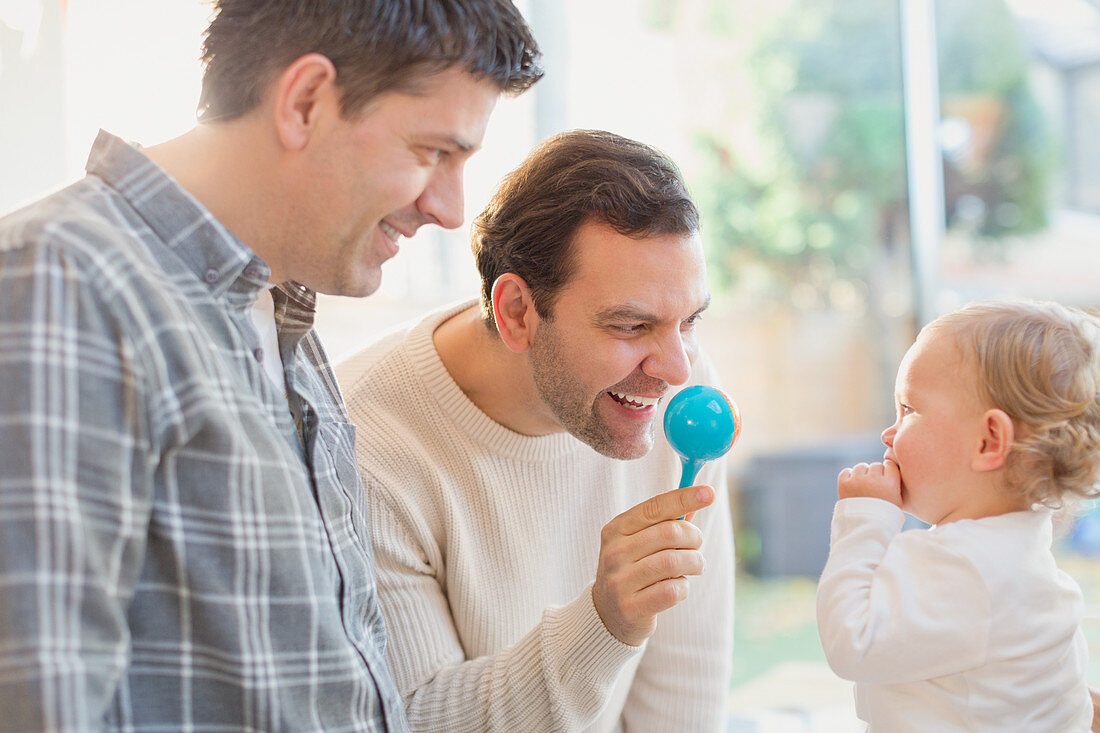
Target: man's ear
(301,90)
(514,312)
(997,436)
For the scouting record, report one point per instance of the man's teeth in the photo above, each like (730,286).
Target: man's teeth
(635,401)
(390,231)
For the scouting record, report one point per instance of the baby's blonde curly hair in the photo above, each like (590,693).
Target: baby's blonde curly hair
(1040,363)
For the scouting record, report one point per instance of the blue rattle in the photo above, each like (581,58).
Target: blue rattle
(701,424)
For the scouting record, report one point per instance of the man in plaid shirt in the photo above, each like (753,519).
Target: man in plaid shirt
(182,534)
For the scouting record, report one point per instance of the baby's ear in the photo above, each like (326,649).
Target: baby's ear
(995,442)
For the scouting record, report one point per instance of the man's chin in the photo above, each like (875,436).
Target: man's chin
(366,283)
(625,450)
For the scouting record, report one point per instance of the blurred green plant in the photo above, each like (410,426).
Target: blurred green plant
(820,197)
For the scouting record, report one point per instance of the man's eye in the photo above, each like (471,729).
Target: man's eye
(435,155)
(629,327)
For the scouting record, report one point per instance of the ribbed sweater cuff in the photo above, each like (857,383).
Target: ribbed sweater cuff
(586,657)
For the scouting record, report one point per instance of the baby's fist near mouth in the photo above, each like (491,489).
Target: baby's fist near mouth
(874,480)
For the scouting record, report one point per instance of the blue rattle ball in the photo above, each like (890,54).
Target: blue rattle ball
(701,424)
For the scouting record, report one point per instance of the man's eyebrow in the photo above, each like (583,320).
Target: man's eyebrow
(703,307)
(631,312)
(622,313)
(450,141)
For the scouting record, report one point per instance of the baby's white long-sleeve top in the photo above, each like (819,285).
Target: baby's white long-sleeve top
(967,626)
(486,544)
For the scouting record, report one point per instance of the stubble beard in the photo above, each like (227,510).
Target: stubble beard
(565,397)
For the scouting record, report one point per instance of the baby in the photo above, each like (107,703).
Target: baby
(970,625)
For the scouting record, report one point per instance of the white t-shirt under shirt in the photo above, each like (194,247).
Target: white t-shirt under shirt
(263,318)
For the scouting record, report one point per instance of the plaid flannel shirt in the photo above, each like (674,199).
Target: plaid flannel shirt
(175,552)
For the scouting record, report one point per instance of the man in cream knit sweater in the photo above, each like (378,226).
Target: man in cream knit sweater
(531,568)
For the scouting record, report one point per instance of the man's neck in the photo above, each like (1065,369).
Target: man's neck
(496,379)
(226,169)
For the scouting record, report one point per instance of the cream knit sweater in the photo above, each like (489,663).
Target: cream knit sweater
(486,543)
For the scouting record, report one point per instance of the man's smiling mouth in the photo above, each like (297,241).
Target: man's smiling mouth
(390,231)
(635,402)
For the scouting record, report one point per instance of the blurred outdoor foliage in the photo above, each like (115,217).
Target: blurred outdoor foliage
(809,206)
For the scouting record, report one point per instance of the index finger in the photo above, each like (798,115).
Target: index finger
(662,507)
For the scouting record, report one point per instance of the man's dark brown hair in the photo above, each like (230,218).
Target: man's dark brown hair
(376,46)
(569,180)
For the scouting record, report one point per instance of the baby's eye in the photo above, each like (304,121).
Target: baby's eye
(904,410)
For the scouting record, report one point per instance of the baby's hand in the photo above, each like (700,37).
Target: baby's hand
(877,480)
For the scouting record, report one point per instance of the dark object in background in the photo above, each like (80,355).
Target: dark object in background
(783,504)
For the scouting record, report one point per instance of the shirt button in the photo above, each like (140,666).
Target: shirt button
(211,276)
(258,354)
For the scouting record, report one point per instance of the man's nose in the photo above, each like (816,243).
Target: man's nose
(671,359)
(442,201)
